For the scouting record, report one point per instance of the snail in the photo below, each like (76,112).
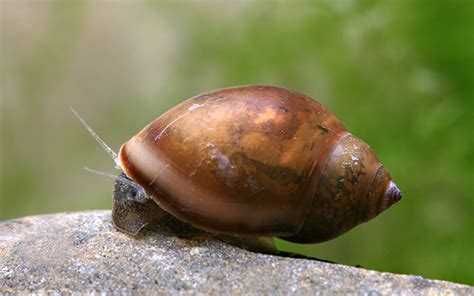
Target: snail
(248,164)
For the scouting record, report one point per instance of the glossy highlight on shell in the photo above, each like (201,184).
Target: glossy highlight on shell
(258,161)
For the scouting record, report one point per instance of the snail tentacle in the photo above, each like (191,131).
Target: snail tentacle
(98,139)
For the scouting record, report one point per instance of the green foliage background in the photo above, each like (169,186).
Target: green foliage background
(400,74)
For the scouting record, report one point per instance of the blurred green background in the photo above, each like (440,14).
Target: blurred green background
(400,74)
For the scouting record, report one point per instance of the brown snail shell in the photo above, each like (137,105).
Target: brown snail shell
(258,161)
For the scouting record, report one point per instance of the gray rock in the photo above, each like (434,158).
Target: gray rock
(82,253)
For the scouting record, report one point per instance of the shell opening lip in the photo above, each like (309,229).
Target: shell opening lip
(122,163)
(124,167)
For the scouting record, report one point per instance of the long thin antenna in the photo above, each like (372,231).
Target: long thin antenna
(112,176)
(101,142)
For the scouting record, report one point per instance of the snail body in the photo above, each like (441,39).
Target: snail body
(253,161)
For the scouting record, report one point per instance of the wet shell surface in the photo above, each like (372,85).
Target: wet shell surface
(258,160)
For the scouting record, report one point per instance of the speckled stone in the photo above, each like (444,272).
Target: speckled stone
(82,253)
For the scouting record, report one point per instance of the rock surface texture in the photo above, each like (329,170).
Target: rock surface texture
(83,253)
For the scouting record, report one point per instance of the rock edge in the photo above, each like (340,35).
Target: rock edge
(71,253)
